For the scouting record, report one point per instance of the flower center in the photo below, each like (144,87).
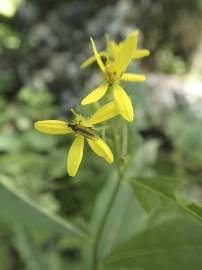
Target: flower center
(111,75)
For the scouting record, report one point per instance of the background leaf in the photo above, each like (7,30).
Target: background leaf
(30,253)
(18,209)
(126,217)
(162,189)
(173,243)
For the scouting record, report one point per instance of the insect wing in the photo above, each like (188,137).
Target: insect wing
(87,132)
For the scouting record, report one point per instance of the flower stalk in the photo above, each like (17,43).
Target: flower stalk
(120,165)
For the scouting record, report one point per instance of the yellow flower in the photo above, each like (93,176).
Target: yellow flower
(113,71)
(82,128)
(113,49)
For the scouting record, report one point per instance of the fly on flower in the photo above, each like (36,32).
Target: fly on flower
(82,128)
(113,70)
(77,127)
(87,132)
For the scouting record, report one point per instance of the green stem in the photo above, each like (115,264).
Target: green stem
(124,139)
(103,222)
(121,150)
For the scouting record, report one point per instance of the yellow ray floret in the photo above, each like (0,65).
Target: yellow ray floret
(133,77)
(125,55)
(97,56)
(75,155)
(101,149)
(123,103)
(92,59)
(83,129)
(52,127)
(106,112)
(141,53)
(96,94)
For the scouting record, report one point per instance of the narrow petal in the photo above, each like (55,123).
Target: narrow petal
(101,149)
(123,102)
(136,32)
(125,54)
(104,113)
(75,155)
(140,53)
(133,77)
(95,95)
(53,127)
(92,59)
(97,56)
(88,61)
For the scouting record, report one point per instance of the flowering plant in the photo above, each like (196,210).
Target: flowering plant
(113,63)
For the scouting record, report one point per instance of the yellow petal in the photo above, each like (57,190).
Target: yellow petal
(114,50)
(101,149)
(53,127)
(88,61)
(141,53)
(136,32)
(97,56)
(75,155)
(133,77)
(104,113)
(125,54)
(92,59)
(95,95)
(123,102)
(112,47)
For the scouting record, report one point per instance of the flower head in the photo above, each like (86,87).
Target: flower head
(113,71)
(82,128)
(113,49)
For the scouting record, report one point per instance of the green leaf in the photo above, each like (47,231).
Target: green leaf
(9,141)
(126,217)
(4,252)
(165,189)
(150,201)
(143,159)
(174,243)
(31,254)
(18,209)
(186,139)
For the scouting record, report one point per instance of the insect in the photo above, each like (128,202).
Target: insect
(87,132)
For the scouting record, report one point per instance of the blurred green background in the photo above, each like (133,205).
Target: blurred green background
(42,44)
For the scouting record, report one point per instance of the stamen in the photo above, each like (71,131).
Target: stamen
(73,112)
